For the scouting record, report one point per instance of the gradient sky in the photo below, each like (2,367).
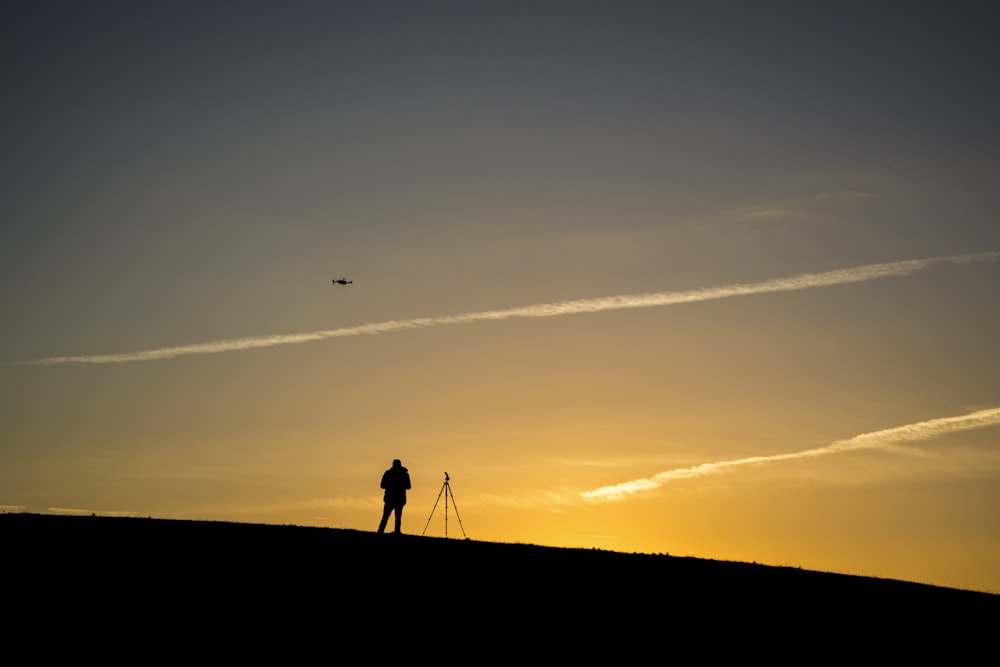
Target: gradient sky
(713,279)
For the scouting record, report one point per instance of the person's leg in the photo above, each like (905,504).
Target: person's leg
(385,517)
(399,518)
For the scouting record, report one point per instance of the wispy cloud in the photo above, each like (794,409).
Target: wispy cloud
(799,282)
(76,511)
(13,508)
(919,431)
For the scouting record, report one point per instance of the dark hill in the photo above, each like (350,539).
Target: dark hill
(300,584)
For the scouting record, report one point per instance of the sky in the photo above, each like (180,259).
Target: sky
(712,279)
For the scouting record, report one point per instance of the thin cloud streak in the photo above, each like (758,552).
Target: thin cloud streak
(911,432)
(86,512)
(793,283)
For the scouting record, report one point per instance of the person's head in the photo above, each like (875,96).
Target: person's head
(396,463)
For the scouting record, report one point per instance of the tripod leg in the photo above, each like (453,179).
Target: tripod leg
(455,506)
(434,508)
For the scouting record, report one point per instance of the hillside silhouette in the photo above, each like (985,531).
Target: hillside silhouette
(284,579)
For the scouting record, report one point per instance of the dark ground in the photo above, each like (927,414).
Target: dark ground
(232,589)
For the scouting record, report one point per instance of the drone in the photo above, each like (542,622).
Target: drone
(342,281)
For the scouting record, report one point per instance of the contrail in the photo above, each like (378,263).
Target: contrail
(799,282)
(910,432)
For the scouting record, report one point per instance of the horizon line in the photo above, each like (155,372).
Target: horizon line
(803,281)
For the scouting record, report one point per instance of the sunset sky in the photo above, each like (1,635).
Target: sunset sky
(712,279)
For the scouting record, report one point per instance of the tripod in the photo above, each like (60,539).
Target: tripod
(446,490)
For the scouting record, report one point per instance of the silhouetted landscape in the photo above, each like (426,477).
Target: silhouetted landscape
(280,577)
(235,590)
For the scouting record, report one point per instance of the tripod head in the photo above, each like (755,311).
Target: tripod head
(446,478)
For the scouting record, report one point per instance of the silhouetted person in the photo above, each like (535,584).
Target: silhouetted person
(395,481)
